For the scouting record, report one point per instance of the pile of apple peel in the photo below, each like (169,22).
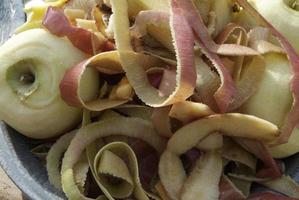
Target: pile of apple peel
(177,99)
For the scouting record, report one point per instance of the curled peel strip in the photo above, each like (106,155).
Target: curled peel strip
(258,129)
(53,162)
(145,18)
(226,91)
(234,152)
(171,170)
(188,111)
(206,174)
(133,63)
(241,39)
(206,85)
(228,190)
(268,195)
(54,155)
(58,24)
(131,127)
(161,121)
(108,63)
(252,72)
(260,150)
(258,40)
(248,84)
(127,172)
(202,35)
(136,111)
(285,185)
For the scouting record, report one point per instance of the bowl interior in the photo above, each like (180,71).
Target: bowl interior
(25,169)
(20,164)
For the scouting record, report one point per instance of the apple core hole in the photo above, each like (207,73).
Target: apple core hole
(21,77)
(293,4)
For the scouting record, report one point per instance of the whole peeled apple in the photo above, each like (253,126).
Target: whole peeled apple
(273,101)
(32,64)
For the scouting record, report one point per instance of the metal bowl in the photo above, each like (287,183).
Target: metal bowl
(19,163)
(26,170)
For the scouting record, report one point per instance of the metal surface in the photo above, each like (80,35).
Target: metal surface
(19,163)
(26,171)
(15,157)
(11,16)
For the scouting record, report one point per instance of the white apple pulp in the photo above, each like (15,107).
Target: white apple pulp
(273,100)
(32,64)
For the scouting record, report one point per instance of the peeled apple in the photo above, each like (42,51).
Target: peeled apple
(283,15)
(273,100)
(32,64)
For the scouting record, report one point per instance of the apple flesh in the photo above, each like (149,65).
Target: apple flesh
(273,100)
(283,15)
(32,64)
(223,12)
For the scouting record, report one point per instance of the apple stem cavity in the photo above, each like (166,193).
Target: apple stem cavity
(295,5)
(22,78)
(292,4)
(27,78)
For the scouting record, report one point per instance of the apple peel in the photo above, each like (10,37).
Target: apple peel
(258,40)
(53,162)
(252,73)
(145,18)
(234,152)
(285,185)
(58,24)
(228,190)
(136,111)
(161,121)
(108,63)
(207,84)
(171,170)
(188,111)
(113,154)
(226,91)
(292,117)
(203,180)
(227,124)
(226,36)
(247,85)
(268,196)
(131,127)
(133,62)
(53,158)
